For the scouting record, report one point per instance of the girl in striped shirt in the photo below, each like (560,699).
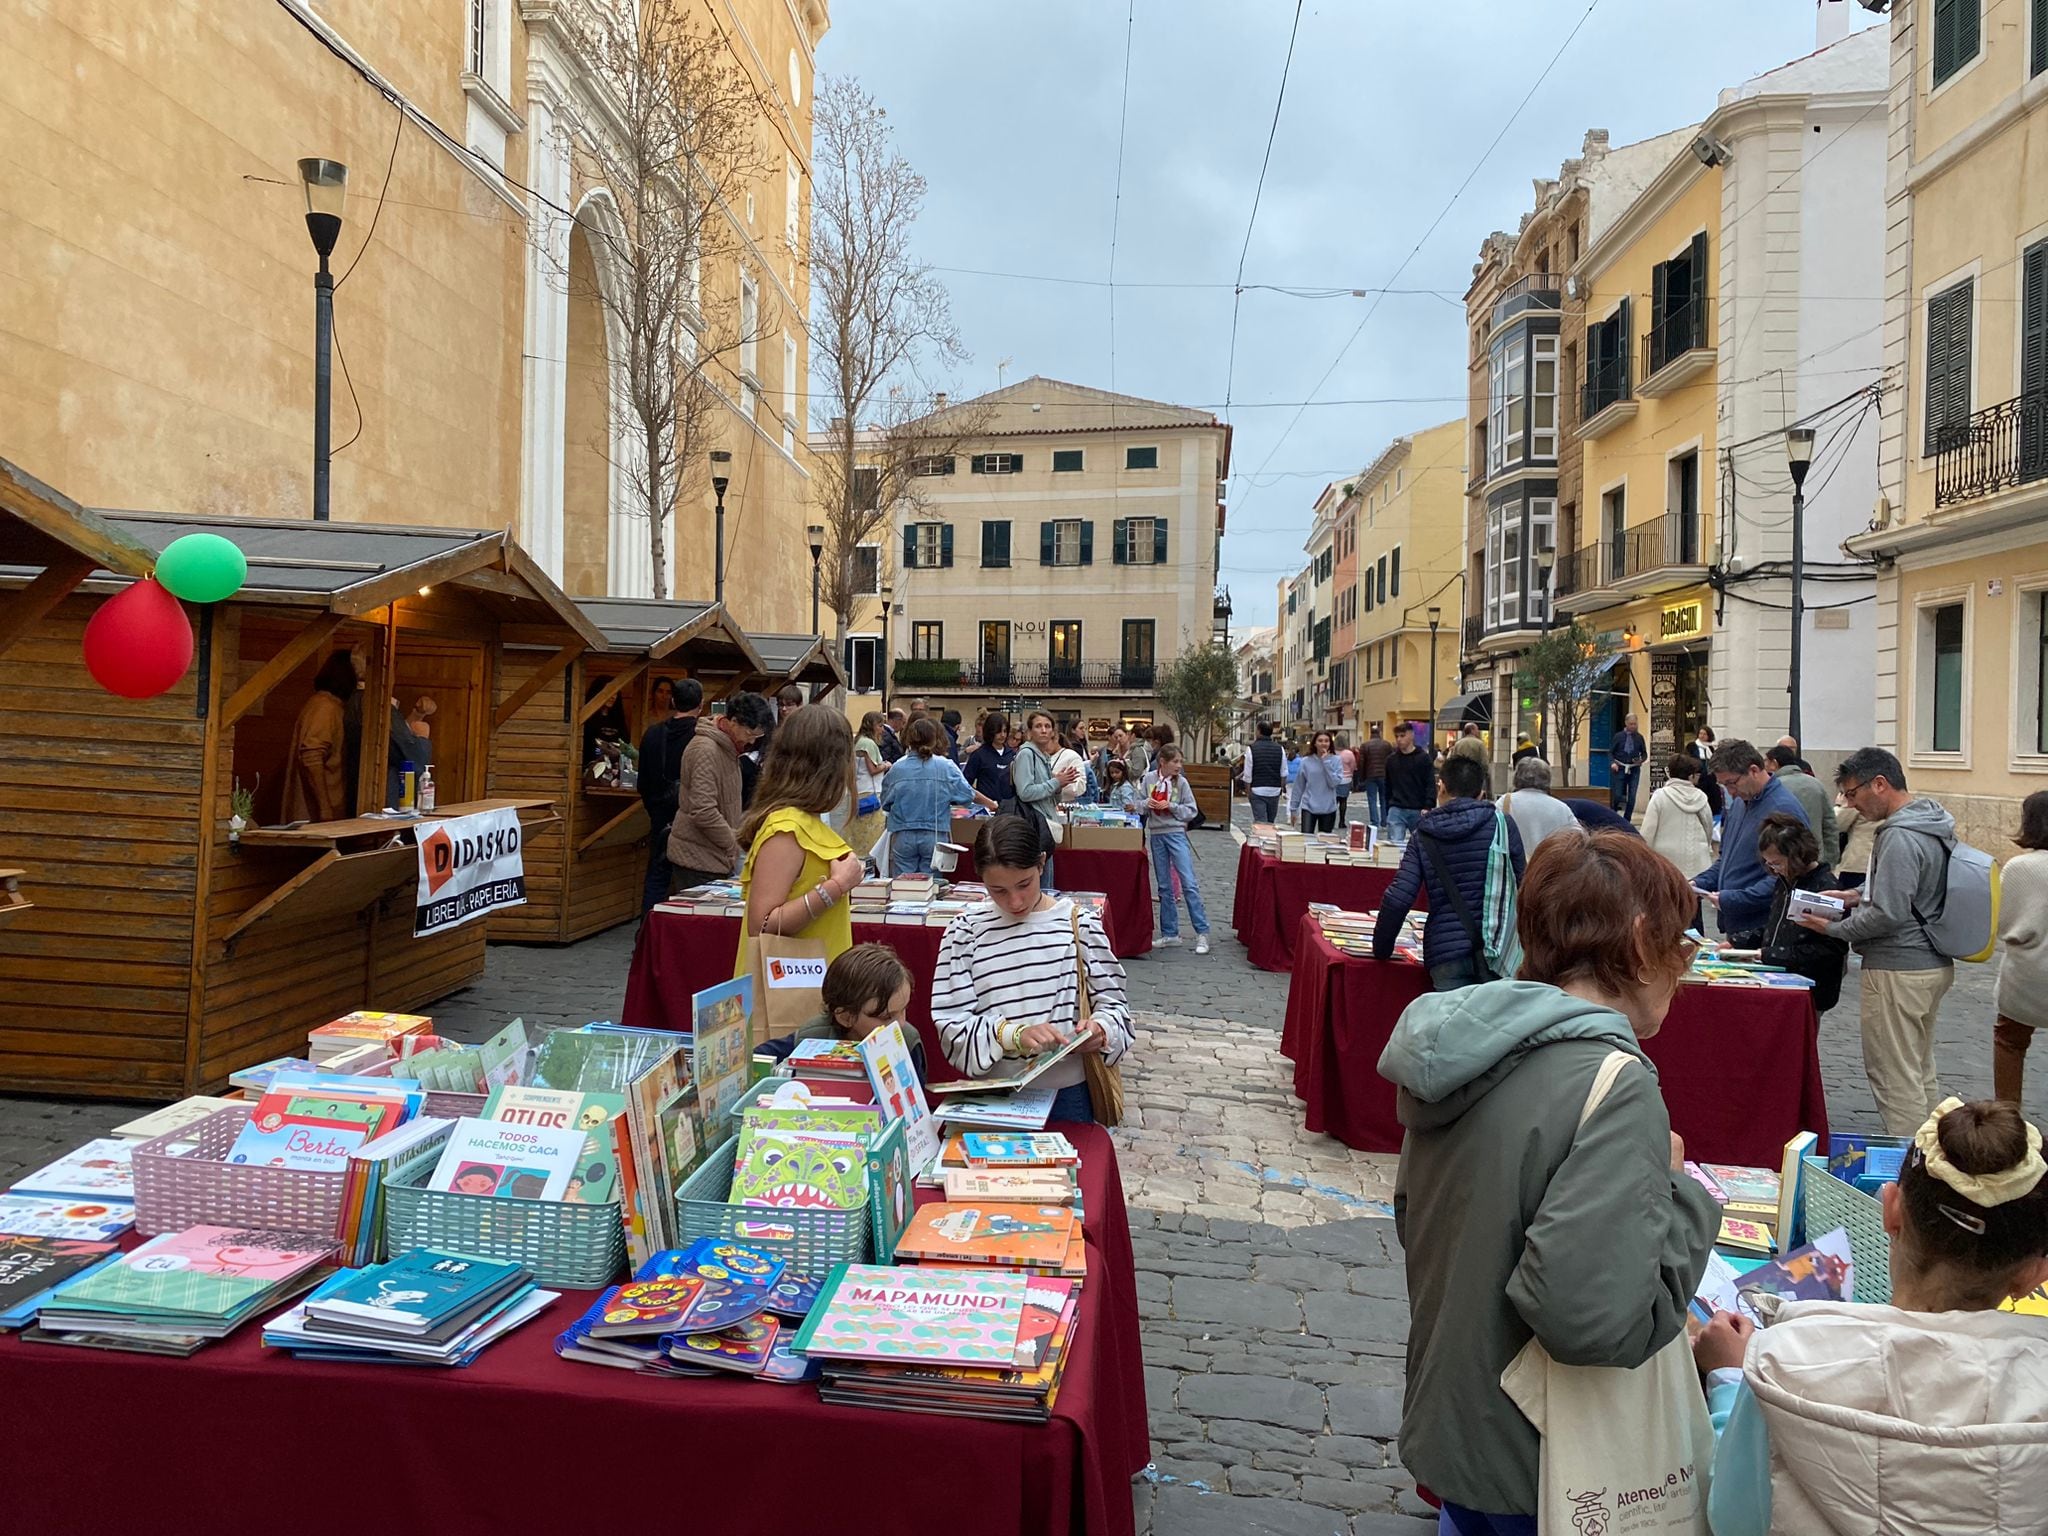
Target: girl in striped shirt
(1007,981)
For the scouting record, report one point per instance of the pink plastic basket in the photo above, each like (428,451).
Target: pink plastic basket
(200,1189)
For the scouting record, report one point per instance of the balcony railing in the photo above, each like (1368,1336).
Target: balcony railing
(1997,449)
(1475,631)
(1577,570)
(1026,676)
(1605,385)
(1539,290)
(1673,539)
(1681,330)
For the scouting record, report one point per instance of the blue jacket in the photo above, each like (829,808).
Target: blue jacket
(919,792)
(1747,888)
(1464,830)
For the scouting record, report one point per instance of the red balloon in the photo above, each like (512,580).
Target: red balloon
(139,643)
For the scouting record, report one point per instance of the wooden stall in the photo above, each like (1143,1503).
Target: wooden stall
(547,715)
(162,955)
(805,659)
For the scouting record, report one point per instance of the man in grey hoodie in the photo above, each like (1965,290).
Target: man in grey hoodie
(1904,976)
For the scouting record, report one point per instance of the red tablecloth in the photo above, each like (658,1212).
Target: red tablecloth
(234,1439)
(1272,898)
(1740,1067)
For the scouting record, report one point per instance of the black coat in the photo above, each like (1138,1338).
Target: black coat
(1801,950)
(1411,781)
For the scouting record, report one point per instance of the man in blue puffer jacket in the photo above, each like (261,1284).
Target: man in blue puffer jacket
(1461,828)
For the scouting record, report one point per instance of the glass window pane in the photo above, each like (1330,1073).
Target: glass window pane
(1948,678)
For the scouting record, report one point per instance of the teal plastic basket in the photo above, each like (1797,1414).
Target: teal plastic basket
(563,1242)
(811,1240)
(1827,1202)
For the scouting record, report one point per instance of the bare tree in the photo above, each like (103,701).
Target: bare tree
(673,139)
(878,316)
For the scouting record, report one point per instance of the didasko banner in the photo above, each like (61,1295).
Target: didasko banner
(470,866)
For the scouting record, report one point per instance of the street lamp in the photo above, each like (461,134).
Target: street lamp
(888,593)
(1436,617)
(1223,612)
(721,477)
(817,532)
(325,182)
(1799,455)
(1546,562)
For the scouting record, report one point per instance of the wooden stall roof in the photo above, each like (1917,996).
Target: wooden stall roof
(660,627)
(41,527)
(798,659)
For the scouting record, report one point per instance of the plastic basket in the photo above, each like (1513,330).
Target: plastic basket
(441,1104)
(200,1188)
(1829,1202)
(564,1242)
(811,1240)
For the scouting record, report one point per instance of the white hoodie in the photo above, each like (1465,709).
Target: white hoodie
(1679,826)
(1905,1423)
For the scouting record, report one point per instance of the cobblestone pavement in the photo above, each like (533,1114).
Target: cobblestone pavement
(1271,1289)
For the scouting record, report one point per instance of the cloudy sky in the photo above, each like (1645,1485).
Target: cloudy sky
(1010,108)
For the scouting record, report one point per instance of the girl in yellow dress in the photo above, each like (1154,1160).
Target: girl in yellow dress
(798,871)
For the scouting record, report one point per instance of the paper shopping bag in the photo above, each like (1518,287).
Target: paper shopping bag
(789,981)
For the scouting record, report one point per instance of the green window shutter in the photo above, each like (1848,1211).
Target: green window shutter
(988,543)
(2037,62)
(1087,542)
(1698,267)
(1969,27)
(1945,29)
(2034,318)
(1394,571)
(946,544)
(909,545)
(1003,542)
(1120,535)
(1045,543)
(1948,363)
(1159,541)
(1622,345)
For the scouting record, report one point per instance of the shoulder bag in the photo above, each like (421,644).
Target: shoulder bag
(1105,1082)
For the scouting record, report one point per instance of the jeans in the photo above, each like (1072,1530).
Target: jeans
(1318,821)
(1172,856)
(1455,974)
(658,871)
(910,850)
(1456,1520)
(1265,805)
(1073,1105)
(1621,790)
(2009,1042)
(1401,822)
(1376,801)
(1343,807)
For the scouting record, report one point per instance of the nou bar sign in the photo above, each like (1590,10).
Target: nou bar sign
(469,866)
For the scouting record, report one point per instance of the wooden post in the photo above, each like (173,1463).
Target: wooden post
(213,744)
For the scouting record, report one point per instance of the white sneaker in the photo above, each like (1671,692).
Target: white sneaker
(1167,941)
(1201,943)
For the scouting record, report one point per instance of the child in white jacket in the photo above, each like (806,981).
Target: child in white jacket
(1926,1416)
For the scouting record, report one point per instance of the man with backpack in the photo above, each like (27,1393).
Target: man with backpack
(1451,857)
(1905,973)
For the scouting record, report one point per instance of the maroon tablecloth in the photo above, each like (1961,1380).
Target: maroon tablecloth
(1124,876)
(1272,898)
(235,1439)
(1740,1067)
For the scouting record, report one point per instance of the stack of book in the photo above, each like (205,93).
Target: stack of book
(33,1268)
(1759,1206)
(172,1117)
(424,1307)
(997,1234)
(175,1293)
(715,1306)
(352,1031)
(868,901)
(87,1195)
(715,898)
(929,1340)
(825,1058)
(1027,1109)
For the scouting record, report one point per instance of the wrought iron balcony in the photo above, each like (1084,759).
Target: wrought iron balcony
(1998,449)
(1026,676)
(1475,631)
(1679,336)
(1537,291)
(1605,385)
(1671,540)
(1577,570)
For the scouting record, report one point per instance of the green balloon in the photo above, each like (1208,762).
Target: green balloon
(202,568)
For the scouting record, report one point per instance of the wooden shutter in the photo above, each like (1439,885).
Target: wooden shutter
(1394,570)
(1948,363)
(988,543)
(1003,541)
(1120,541)
(978,464)
(2037,62)
(1969,16)
(1623,345)
(1045,543)
(1159,541)
(2034,316)
(909,546)
(1697,297)
(1087,541)
(1945,35)
(945,544)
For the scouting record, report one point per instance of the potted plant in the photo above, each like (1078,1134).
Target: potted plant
(243,803)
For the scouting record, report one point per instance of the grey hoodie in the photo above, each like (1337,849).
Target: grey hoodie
(1905,872)
(1517,1224)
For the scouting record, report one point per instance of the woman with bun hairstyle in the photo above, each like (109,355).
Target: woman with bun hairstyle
(1926,1416)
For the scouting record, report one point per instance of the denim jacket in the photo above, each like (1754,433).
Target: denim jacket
(918,791)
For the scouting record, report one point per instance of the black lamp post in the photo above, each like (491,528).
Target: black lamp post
(325,183)
(1223,612)
(817,532)
(1436,617)
(721,477)
(1799,455)
(888,593)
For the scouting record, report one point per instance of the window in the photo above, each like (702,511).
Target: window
(932,464)
(1958,25)
(1394,571)
(1607,350)
(479,38)
(1139,652)
(1571,244)
(1950,328)
(1066,461)
(1506,405)
(1321,640)
(1141,458)
(1479,455)
(1394,662)
(1369,603)
(867,569)
(927,546)
(1510,563)
(1614,533)
(995,544)
(792,201)
(1067,541)
(863,663)
(750,362)
(1140,540)
(788,393)
(1682,501)
(1063,653)
(995,652)
(1678,305)
(996,463)
(927,640)
(1542,536)
(2037,55)
(1543,399)
(1941,632)
(867,487)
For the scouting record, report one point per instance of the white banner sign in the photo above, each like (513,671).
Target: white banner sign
(469,866)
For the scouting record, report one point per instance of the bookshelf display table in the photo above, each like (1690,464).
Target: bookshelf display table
(1739,1066)
(1123,875)
(769,1459)
(1273,897)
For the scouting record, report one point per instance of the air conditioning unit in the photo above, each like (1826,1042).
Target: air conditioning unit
(1879,6)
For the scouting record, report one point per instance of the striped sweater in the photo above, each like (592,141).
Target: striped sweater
(994,967)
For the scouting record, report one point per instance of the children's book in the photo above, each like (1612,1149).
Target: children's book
(650,1206)
(680,1142)
(891,1182)
(793,1296)
(1757,1187)
(721,1042)
(742,1347)
(172,1117)
(804,1169)
(204,1272)
(1743,1236)
(594,1114)
(894,1079)
(1047,1149)
(485,1158)
(258,1078)
(648,1306)
(30,1266)
(944,1317)
(738,1281)
(1025,1110)
(277,1136)
(1705,1181)
(100,1167)
(1821,1270)
(26,1306)
(61,1216)
(988,1233)
(1790,1223)
(417,1291)
(827,1058)
(1033,1186)
(1013,1071)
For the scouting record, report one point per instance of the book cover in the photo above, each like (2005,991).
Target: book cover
(1047,1149)
(836,1058)
(652,1215)
(988,1233)
(1025,1110)
(100,1167)
(679,1140)
(891,1180)
(1032,1186)
(1744,1236)
(738,1281)
(31,1265)
(172,1117)
(947,1317)
(1745,1186)
(281,1138)
(800,1169)
(60,1216)
(1790,1226)
(721,1042)
(649,1306)
(742,1347)
(258,1078)
(1821,1270)
(416,1290)
(485,1158)
(591,1112)
(368,1024)
(1705,1181)
(892,1075)
(1012,1071)
(213,1271)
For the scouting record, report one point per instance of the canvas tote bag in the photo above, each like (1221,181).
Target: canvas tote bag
(1625,1453)
(789,982)
(1105,1082)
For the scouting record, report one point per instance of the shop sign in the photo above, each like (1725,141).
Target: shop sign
(470,866)
(1682,621)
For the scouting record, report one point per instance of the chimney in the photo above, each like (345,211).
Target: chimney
(939,401)
(1832,24)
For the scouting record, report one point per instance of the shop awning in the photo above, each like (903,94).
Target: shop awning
(659,628)
(798,659)
(1462,708)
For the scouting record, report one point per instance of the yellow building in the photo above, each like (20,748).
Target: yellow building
(1410,554)
(1961,532)
(156,323)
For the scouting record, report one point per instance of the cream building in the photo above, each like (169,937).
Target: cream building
(1961,532)
(156,335)
(1297,616)
(1323,676)
(1258,678)
(1057,558)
